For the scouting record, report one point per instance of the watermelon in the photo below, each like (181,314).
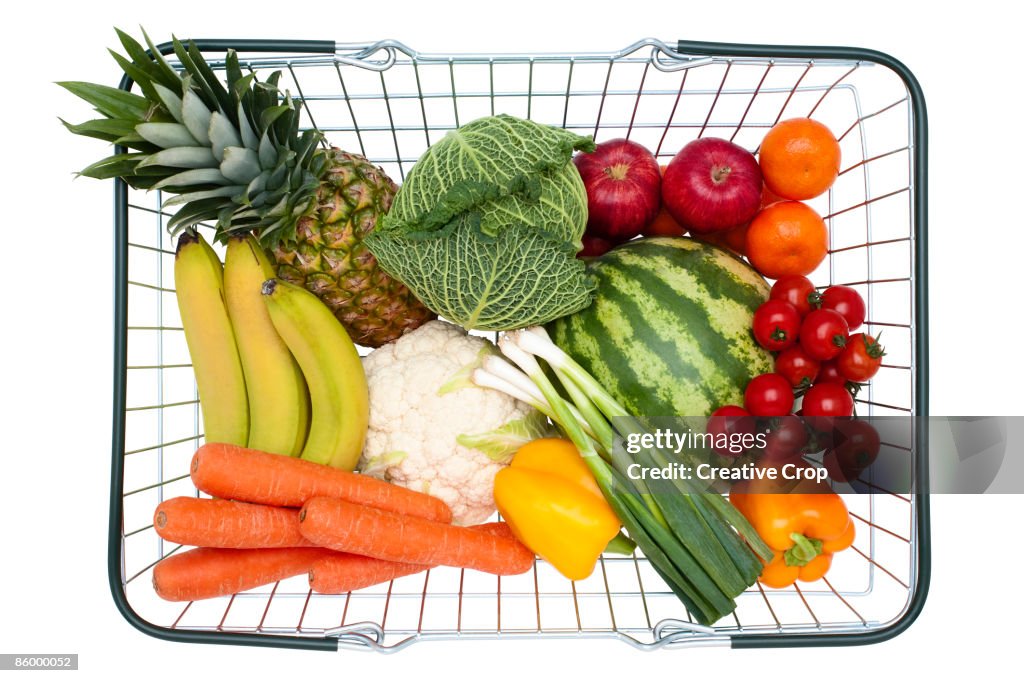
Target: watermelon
(669,330)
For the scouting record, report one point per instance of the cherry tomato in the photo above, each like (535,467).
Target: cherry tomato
(837,470)
(846,302)
(857,441)
(857,444)
(786,437)
(860,359)
(768,395)
(727,421)
(823,334)
(797,291)
(829,374)
(796,366)
(820,429)
(828,400)
(776,324)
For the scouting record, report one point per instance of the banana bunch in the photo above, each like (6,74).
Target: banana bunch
(275,369)
(329,361)
(199,288)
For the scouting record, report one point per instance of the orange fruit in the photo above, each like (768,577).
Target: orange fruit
(664,225)
(733,238)
(787,238)
(769,197)
(799,158)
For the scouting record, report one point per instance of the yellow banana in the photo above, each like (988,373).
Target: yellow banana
(333,371)
(278,397)
(199,288)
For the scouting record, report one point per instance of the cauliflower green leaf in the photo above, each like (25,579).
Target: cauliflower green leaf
(463,379)
(502,443)
(376,466)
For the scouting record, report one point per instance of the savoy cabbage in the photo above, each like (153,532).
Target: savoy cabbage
(486,227)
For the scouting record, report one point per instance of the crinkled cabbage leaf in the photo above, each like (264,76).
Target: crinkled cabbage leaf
(486,227)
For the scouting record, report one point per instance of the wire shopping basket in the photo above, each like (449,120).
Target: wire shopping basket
(390,103)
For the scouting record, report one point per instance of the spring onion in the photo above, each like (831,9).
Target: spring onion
(700,544)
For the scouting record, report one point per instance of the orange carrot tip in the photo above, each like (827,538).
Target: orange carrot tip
(344,572)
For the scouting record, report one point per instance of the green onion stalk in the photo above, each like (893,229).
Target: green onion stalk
(703,548)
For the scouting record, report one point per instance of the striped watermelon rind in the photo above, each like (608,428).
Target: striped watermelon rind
(669,330)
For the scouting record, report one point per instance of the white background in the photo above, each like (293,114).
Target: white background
(57,295)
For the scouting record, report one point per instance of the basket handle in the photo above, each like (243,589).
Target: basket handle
(257,45)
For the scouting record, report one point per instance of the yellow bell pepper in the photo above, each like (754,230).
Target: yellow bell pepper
(554,506)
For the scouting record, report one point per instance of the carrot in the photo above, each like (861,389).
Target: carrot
(211,572)
(500,529)
(227,524)
(238,473)
(344,572)
(350,528)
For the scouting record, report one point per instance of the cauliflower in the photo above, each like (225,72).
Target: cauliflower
(431,429)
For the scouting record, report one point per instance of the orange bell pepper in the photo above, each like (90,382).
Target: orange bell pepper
(804,528)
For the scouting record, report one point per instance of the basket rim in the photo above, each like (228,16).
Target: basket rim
(919,134)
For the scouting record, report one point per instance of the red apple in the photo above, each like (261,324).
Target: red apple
(735,238)
(623,189)
(595,246)
(712,184)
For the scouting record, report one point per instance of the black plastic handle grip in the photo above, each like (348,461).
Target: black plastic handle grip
(250,45)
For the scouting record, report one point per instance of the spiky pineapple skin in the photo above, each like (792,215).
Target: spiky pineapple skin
(328,256)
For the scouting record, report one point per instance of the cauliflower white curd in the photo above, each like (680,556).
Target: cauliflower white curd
(431,429)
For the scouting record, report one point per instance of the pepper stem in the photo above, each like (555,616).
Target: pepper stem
(620,545)
(803,551)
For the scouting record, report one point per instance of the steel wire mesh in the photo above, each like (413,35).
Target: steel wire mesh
(389,103)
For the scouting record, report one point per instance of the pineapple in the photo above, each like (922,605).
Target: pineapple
(232,154)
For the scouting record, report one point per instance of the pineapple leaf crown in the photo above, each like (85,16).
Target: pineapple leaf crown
(228,152)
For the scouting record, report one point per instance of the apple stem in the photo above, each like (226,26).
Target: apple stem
(720,173)
(617,171)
